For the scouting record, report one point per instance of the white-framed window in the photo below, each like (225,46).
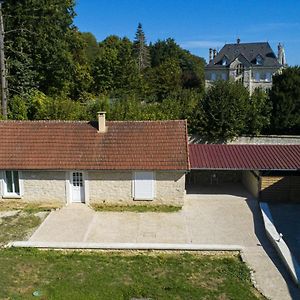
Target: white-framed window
(224,61)
(12,186)
(268,77)
(143,185)
(213,76)
(239,69)
(259,60)
(257,76)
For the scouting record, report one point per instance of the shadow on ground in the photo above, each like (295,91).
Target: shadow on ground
(239,191)
(269,249)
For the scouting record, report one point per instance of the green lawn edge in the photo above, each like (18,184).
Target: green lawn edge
(136,208)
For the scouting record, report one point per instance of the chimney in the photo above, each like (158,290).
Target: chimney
(215,53)
(101,122)
(210,54)
(281,55)
(238,40)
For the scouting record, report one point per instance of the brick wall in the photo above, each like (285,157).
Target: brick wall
(280,188)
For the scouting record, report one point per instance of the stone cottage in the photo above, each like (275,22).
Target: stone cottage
(111,162)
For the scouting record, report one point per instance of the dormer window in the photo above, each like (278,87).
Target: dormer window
(224,61)
(259,60)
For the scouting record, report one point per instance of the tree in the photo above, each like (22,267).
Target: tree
(259,112)
(115,70)
(285,98)
(140,49)
(40,41)
(165,78)
(226,108)
(163,50)
(192,67)
(91,46)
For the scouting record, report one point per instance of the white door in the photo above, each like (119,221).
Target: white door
(143,186)
(77,186)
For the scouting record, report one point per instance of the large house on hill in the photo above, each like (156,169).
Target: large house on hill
(252,64)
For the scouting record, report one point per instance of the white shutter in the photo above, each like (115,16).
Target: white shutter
(143,186)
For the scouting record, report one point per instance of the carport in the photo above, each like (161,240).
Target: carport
(268,172)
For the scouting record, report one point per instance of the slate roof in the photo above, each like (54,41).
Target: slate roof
(245,157)
(250,51)
(67,145)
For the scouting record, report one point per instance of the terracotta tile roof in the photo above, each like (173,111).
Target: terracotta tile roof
(245,157)
(129,145)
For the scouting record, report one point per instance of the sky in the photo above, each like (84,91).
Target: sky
(197,25)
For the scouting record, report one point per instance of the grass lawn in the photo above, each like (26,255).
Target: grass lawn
(17,226)
(26,207)
(122,275)
(136,208)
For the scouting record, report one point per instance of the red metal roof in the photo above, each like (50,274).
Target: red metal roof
(244,157)
(128,145)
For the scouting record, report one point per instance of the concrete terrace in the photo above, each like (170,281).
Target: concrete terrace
(212,220)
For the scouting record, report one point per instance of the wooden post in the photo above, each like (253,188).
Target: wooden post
(2,68)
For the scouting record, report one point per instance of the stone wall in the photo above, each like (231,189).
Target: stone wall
(267,139)
(262,139)
(44,186)
(111,187)
(115,187)
(40,186)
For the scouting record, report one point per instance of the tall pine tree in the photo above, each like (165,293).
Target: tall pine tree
(141,49)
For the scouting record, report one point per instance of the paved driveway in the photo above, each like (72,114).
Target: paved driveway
(208,219)
(204,219)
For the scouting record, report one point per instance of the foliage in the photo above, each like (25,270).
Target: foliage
(91,48)
(38,40)
(165,78)
(226,108)
(57,72)
(192,67)
(141,50)
(123,275)
(115,70)
(259,112)
(285,97)
(35,105)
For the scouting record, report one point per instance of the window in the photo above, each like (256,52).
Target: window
(257,76)
(259,60)
(224,76)
(143,186)
(12,183)
(268,77)
(77,179)
(239,69)
(224,61)
(213,76)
